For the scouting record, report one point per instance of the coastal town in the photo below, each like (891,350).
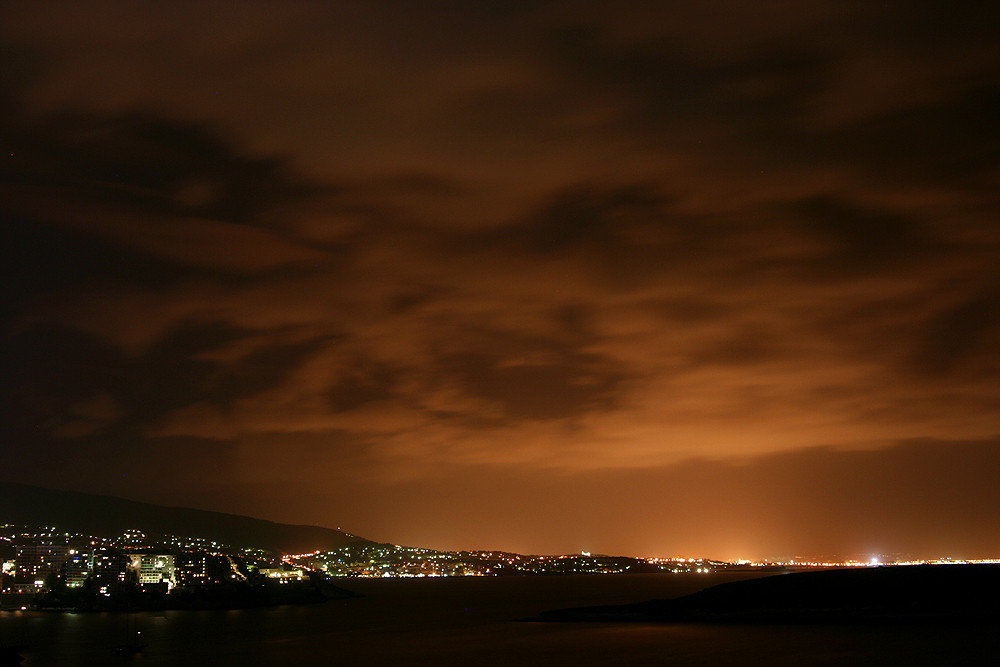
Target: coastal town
(46,568)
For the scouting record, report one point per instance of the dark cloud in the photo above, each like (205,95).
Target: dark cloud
(559,385)
(208,379)
(860,239)
(950,142)
(592,217)
(43,258)
(96,200)
(762,89)
(760,100)
(150,163)
(965,335)
(623,237)
(744,347)
(49,371)
(366,382)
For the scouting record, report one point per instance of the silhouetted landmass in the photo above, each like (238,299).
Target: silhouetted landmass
(883,594)
(108,516)
(9,655)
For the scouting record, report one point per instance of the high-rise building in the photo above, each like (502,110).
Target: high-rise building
(196,569)
(35,562)
(110,571)
(78,567)
(155,569)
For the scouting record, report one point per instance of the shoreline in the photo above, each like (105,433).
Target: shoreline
(249,598)
(888,594)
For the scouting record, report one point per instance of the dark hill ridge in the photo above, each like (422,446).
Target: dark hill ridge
(108,516)
(882,594)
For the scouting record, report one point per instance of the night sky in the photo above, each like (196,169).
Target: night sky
(648,278)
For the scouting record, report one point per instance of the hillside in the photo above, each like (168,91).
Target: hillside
(109,516)
(884,594)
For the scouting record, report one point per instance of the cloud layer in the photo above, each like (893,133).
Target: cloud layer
(542,242)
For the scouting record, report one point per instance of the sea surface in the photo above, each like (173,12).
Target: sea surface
(472,621)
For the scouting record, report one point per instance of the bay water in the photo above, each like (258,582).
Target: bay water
(473,621)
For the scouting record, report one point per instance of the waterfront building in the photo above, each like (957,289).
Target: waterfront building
(284,575)
(111,570)
(155,569)
(197,569)
(78,567)
(35,562)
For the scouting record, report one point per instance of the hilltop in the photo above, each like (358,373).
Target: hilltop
(880,594)
(107,515)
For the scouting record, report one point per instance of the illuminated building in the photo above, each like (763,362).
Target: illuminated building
(77,568)
(199,569)
(283,575)
(111,572)
(35,562)
(154,569)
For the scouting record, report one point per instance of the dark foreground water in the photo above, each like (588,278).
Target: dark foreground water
(466,621)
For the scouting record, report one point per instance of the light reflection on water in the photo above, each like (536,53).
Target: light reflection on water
(457,621)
